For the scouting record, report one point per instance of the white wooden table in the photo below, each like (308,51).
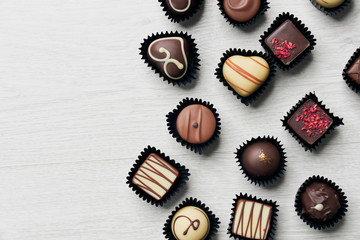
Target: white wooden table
(77,105)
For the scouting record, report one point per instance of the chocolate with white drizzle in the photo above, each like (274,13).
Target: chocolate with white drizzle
(190,223)
(170,56)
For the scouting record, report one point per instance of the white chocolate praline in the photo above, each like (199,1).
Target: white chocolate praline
(245,74)
(252,219)
(155,176)
(190,223)
(330,3)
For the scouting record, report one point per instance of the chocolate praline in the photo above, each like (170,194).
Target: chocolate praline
(320,202)
(354,71)
(181,7)
(287,42)
(196,124)
(241,10)
(261,159)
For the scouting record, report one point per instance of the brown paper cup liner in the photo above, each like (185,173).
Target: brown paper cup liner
(171,123)
(214,221)
(180,17)
(272,228)
(331,11)
(231,52)
(303,29)
(350,82)
(310,147)
(311,222)
(193,61)
(262,180)
(263,8)
(176,186)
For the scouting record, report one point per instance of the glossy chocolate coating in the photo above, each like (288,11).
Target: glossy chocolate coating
(297,125)
(287,31)
(241,10)
(181,7)
(330,3)
(170,56)
(261,159)
(196,124)
(320,202)
(354,71)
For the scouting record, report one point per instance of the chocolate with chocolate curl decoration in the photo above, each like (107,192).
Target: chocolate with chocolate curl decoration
(320,202)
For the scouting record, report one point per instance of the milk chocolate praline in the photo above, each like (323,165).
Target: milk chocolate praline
(262,160)
(191,220)
(320,203)
(242,12)
(351,72)
(173,55)
(194,123)
(155,177)
(180,10)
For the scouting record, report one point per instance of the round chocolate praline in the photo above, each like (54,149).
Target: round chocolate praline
(320,202)
(190,223)
(241,10)
(181,7)
(196,124)
(261,159)
(330,3)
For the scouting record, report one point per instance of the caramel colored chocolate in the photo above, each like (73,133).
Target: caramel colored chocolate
(354,71)
(170,55)
(261,159)
(190,223)
(287,42)
(196,124)
(181,7)
(330,3)
(320,202)
(241,10)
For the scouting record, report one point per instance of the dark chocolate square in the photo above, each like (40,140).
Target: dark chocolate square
(287,42)
(309,121)
(354,71)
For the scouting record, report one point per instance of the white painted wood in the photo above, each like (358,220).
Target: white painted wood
(77,105)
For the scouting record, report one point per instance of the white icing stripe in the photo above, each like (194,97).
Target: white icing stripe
(167,59)
(180,10)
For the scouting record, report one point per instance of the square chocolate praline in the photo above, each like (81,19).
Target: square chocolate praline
(288,40)
(287,33)
(309,122)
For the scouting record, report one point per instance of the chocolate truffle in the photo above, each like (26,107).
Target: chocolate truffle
(241,10)
(245,74)
(181,7)
(261,159)
(310,122)
(287,42)
(196,124)
(155,176)
(354,71)
(330,3)
(320,202)
(170,55)
(252,219)
(190,223)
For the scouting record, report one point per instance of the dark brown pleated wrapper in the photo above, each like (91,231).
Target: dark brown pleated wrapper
(193,61)
(302,28)
(336,122)
(214,221)
(263,180)
(314,223)
(350,82)
(331,11)
(231,52)
(264,6)
(171,123)
(179,182)
(180,17)
(272,228)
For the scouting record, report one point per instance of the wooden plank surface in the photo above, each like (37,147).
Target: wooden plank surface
(77,105)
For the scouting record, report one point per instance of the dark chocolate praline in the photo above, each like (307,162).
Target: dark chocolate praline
(261,159)
(354,71)
(181,7)
(320,202)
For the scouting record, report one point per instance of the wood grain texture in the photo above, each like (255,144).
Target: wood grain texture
(77,105)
